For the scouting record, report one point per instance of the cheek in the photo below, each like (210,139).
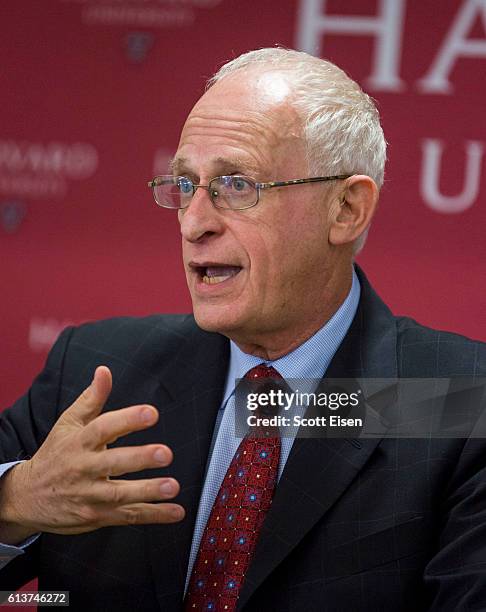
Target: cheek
(298,250)
(185,254)
(270,256)
(280,246)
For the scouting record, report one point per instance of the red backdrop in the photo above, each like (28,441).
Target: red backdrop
(94,93)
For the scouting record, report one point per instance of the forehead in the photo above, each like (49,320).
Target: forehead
(242,123)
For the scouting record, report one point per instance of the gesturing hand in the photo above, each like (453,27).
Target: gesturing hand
(69,486)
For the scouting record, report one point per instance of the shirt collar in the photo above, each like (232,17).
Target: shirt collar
(309,360)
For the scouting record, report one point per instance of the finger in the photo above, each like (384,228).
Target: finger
(90,403)
(118,461)
(111,425)
(146,514)
(118,493)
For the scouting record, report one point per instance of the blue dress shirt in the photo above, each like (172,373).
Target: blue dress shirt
(309,360)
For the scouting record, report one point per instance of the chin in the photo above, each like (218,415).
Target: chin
(213,319)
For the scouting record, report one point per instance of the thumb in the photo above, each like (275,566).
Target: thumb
(91,401)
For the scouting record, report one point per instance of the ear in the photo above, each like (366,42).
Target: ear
(352,213)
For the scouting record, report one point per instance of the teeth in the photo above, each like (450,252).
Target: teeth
(217,274)
(221,271)
(213,280)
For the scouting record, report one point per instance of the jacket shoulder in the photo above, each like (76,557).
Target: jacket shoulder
(423,351)
(125,332)
(141,352)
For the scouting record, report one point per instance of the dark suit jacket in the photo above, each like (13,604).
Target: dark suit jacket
(355,525)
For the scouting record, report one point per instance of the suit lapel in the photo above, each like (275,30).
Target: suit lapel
(189,401)
(319,470)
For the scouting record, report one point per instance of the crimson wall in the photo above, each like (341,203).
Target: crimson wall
(94,93)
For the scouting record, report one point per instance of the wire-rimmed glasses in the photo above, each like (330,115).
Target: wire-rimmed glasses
(234,192)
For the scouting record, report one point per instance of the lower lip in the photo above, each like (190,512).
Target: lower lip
(206,288)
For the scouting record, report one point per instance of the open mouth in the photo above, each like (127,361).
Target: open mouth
(214,274)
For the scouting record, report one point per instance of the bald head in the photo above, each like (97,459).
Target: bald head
(253,108)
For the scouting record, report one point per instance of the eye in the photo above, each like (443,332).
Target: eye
(239,184)
(185,185)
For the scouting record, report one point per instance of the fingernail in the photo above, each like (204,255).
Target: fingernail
(160,456)
(167,487)
(147,415)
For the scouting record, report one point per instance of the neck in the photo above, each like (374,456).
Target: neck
(275,344)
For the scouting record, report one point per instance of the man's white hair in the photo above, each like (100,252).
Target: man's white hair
(341,122)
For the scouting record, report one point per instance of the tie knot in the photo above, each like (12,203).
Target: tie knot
(265,386)
(262,371)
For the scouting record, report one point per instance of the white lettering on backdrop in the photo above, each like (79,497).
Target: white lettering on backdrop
(387,29)
(387,26)
(456,44)
(432,150)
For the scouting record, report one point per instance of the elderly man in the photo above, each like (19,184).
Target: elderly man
(276,181)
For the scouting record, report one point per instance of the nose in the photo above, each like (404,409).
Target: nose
(200,220)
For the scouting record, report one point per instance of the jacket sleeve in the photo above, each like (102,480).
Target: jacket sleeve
(456,575)
(23,429)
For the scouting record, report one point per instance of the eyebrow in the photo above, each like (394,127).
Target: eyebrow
(174,164)
(180,165)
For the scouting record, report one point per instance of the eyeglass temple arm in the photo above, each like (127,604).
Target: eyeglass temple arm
(314,179)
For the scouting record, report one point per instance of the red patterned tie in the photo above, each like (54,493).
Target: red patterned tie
(233,526)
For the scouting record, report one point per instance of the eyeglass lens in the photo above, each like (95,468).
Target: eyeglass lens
(225,191)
